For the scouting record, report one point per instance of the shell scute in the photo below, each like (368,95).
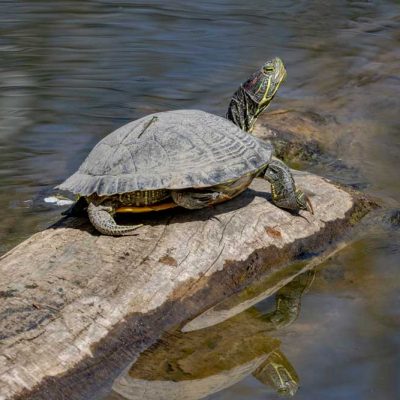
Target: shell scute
(169,150)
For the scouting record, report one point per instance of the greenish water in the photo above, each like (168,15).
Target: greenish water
(71,72)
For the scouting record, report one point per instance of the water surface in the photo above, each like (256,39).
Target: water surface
(71,72)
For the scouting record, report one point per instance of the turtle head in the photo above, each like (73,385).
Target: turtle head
(254,95)
(265,82)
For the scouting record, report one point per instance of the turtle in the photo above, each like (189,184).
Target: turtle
(187,158)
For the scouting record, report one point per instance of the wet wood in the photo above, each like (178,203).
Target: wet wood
(298,136)
(77,307)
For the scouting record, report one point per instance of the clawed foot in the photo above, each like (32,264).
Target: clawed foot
(101,218)
(283,188)
(303,201)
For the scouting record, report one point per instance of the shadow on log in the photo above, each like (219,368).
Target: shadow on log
(76,307)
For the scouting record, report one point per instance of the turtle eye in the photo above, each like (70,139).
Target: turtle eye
(268,68)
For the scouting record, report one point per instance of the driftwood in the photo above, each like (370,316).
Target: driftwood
(76,308)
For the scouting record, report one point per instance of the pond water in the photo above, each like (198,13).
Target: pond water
(71,72)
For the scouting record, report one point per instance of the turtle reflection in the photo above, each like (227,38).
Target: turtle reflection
(191,365)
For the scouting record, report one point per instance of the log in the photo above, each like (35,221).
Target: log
(76,307)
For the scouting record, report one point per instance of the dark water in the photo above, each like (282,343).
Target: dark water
(72,71)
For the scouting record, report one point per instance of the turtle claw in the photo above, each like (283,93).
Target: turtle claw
(310,207)
(303,201)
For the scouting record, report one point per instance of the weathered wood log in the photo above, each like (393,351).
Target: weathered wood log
(77,307)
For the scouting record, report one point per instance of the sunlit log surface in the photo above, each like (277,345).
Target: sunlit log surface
(76,307)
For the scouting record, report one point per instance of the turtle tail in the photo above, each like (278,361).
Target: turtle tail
(101,218)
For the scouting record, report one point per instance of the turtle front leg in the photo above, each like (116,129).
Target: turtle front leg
(283,188)
(101,218)
(288,301)
(196,200)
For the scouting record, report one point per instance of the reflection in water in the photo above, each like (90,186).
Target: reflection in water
(192,365)
(250,296)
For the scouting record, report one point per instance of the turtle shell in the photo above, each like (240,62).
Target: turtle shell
(169,150)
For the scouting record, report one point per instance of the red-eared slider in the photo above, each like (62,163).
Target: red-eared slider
(188,158)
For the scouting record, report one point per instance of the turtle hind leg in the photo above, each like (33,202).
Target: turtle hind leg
(101,218)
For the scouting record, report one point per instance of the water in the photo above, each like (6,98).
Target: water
(70,72)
